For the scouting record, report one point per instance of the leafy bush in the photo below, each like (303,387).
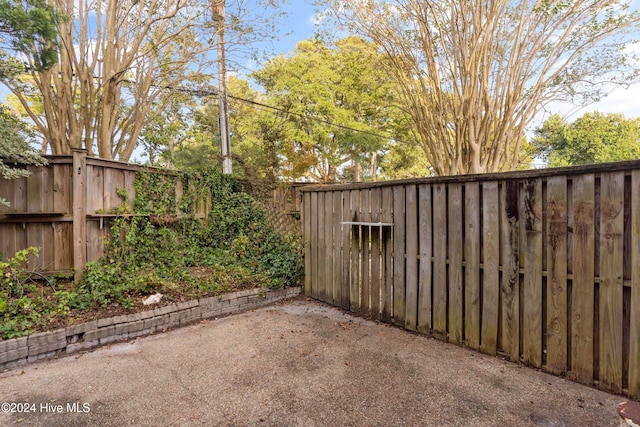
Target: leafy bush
(236,244)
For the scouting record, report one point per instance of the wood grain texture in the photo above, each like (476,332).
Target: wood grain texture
(611,293)
(387,255)
(531,256)
(557,299)
(346,254)
(376,261)
(634,327)
(411,275)
(491,267)
(472,235)
(336,295)
(425,233)
(314,244)
(455,246)
(306,229)
(327,292)
(440,261)
(322,258)
(354,293)
(582,290)
(510,281)
(399,237)
(365,245)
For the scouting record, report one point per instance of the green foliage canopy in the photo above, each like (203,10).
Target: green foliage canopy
(317,88)
(593,138)
(29,27)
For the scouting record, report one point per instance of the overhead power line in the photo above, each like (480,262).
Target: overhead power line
(202,93)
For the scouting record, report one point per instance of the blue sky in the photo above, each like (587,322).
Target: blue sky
(299,25)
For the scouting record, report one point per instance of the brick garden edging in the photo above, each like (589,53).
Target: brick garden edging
(45,345)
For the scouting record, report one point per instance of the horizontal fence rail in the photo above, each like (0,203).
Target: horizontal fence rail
(543,266)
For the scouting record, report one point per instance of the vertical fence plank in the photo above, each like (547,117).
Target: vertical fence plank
(354,294)
(376,270)
(455,245)
(365,200)
(491,267)
(634,331)
(557,356)
(313,213)
(346,234)
(387,255)
(322,258)
(328,247)
(425,233)
(336,295)
(411,230)
(35,237)
(19,202)
(306,224)
(472,264)
(33,200)
(509,286)
(440,260)
(582,289)
(611,285)
(62,189)
(531,221)
(95,190)
(61,239)
(399,255)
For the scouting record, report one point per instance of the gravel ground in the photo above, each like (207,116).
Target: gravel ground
(295,363)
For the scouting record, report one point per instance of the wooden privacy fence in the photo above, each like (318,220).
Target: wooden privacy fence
(541,265)
(65,207)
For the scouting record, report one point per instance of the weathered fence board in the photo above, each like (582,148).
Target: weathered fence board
(425,232)
(510,281)
(543,266)
(491,267)
(556,325)
(611,267)
(346,237)
(376,239)
(387,245)
(399,237)
(411,282)
(440,260)
(365,261)
(634,330)
(531,259)
(455,244)
(582,295)
(472,265)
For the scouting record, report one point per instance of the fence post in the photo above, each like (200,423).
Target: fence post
(79,182)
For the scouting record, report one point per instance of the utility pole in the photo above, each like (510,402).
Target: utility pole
(218,14)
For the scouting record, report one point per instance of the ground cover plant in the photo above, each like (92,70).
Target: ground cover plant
(158,246)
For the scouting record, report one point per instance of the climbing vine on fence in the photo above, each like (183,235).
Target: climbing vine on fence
(235,243)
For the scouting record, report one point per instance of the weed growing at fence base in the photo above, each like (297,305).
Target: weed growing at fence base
(156,250)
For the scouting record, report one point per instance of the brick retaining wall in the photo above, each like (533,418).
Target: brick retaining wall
(45,345)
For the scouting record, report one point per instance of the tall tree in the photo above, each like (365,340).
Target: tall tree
(592,138)
(332,102)
(475,74)
(119,63)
